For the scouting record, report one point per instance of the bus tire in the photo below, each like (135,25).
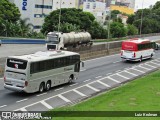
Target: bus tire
(141,59)
(41,87)
(48,85)
(151,55)
(71,78)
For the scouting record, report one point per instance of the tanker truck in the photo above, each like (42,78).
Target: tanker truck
(60,41)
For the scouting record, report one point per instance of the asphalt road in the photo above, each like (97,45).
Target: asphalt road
(94,69)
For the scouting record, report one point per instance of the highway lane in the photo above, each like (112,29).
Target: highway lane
(94,69)
(19,49)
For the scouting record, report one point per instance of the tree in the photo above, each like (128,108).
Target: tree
(118,30)
(131,30)
(156,6)
(131,19)
(69,16)
(9,15)
(114,14)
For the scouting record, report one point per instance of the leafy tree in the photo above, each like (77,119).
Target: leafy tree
(69,17)
(118,30)
(114,14)
(131,19)
(131,30)
(156,6)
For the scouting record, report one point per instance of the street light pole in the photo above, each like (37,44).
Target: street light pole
(59,24)
(109,23)
(141,19)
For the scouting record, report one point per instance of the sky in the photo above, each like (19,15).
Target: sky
(146,3)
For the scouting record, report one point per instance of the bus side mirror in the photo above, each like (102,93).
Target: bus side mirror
(82,64)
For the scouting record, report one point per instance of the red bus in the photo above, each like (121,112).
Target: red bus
(137,49)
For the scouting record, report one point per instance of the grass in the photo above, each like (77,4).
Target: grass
(142,94)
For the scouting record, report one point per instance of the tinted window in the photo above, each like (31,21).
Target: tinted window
(16,63)
(54,63)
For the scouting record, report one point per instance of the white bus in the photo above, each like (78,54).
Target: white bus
(40,71)
(137,49)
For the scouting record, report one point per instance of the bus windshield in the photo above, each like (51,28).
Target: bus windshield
(16,63)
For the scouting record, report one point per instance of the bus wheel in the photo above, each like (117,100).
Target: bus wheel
(140,59)
(71,78)
(41,87)
(151,55)
(48,85)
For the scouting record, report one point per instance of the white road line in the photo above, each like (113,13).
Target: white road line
(113,80)
(23,109)
(122,76)
(87,80)
(118,70)
(98,76)
(144,67)
(150,65)
(73,84)
(83,70)
(21,100)
(79,92)
(103,83)
(109,74)
(130,73)
(117,61)
(41,94)
(101,57)
(63,98)
(58,89)
(3,106)
(92,88)
(157,60)
(154,63)
(138,70)
(46,105)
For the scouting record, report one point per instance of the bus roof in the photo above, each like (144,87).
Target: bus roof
(137,41)
(39,56)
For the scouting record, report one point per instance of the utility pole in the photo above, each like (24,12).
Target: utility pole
(141,19)
(59,24)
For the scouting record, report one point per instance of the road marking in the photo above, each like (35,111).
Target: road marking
(154,63)
(98,76)
(58,89)
(150,65)
(138,70)
(109,74)
(118,70)
(74,84)
(157,60)
(102,57)
(41,94)
(79,92)
(23,109)
(144,67)
(63,98)
(46,104)
(21,100)
(87,80)
(103,83)
(113,80)
(83,70)
(92,88)
(3,106)
(117,61)
(122,76)
(130,73)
